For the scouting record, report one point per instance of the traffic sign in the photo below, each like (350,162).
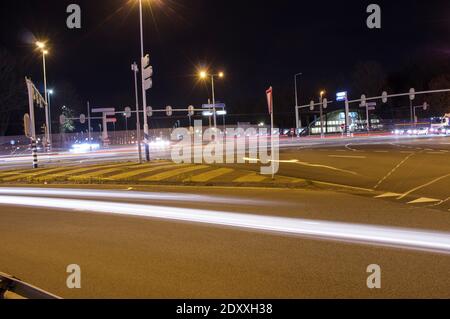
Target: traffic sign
(104,110)
(341,96)
(211,106)
(311,105)
(82,118)
(149,111)
(371,108)
(62,119)
(325,103)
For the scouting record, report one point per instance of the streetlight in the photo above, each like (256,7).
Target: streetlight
(42,47)
(203,75)
(297,117)
(50,93)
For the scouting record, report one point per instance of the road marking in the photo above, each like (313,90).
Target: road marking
(99,173)
(344,156)
(387,195)
(326,167)
(351,149)
(424,185)
(423,200)
(343,186)
(206,177)
(251,178)
(257,160)
(173,173)
(138,172)
(83,170)
(381,151)
(393,170)
(32,174)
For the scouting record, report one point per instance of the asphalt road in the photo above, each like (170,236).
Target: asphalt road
(158,245)
(413,171)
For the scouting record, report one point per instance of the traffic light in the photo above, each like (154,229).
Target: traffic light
(148,72)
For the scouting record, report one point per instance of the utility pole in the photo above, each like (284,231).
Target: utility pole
(89,125)
(144,63)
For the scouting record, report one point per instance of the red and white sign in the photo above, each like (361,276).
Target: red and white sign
(269,94)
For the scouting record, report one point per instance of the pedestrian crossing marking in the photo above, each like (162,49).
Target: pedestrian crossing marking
(101,172)
(173,173)
(138,172)
(83,170)
(32,174)
(424,200)
(206,177)
(250,178)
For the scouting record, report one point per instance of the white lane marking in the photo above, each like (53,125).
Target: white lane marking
(393,170)
(387,195)
(351,149)
(412,239)
(326,167)
(424,200)
(294,161)
(423,186)
(345,156)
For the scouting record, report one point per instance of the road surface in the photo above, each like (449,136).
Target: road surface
(180,242)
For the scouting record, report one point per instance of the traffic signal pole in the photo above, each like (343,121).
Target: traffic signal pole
(144,94)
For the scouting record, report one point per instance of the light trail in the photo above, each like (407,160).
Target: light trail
(133,195)
(437,242)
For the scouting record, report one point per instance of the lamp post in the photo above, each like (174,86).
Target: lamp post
(203,75)
(42,47)
(50,93)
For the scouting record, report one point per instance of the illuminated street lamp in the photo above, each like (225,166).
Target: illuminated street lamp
(203,75)
(50,93)
(42,47)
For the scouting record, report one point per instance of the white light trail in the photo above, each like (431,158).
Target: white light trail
(111,194)
(438,242)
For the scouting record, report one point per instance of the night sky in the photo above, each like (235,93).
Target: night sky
(256,43)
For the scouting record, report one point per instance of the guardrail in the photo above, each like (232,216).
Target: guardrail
(13,288)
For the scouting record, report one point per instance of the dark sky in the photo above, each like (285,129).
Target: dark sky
(256,43)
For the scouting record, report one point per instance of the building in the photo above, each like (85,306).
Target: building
(334,122)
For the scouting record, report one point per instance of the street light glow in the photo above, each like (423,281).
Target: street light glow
(221,75)
(203,74)
(40,45)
